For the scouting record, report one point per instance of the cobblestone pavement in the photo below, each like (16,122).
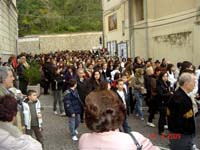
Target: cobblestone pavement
(57,136)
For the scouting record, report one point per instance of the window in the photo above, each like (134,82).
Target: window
(139,7)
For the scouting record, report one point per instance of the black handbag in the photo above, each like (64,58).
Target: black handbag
(139,147)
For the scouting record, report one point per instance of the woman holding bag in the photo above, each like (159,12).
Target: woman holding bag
(104,115)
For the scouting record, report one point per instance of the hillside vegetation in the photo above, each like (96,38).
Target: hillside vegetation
(58,16)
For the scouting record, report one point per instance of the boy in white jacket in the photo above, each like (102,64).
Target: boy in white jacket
(32,116)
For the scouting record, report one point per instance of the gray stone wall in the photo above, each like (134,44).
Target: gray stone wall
(8,28)
(47,43)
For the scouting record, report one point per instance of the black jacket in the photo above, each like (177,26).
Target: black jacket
(82,87)
(126,99)
(163,93)
(57,83)
(180,113)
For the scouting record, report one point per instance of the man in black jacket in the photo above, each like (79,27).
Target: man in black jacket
(180,114)
(82,88)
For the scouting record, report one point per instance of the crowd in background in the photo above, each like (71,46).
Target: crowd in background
(144,82)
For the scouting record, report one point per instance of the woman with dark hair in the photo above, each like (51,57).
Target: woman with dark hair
(69,74)
(163,64)
(104,115)
(163,94)
(185,65)
(114,82)
(10,136)
(153,97)
(94,81)
(137,63)
(109,69)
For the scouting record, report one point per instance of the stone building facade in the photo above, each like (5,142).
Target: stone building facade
(8,28)
(154,28)
(47,43)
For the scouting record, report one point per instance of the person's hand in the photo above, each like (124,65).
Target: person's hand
(39,115)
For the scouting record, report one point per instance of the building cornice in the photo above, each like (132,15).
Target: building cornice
(114,8)
(193,13)
(10,2)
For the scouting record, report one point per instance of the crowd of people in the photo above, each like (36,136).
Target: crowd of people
(73,76)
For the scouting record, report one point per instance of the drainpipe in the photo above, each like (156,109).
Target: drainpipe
(146,28)
(103,33)
(131,32)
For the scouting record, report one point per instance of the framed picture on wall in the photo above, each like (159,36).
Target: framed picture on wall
(112,22)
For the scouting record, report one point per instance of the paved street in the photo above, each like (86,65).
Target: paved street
(57,136)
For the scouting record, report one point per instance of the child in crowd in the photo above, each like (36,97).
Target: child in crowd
(73,108)
(121,92)
(32,115)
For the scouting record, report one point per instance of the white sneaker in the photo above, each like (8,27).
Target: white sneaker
(142,118)
(55,112)
(62,114)
(74,138)
(194,147)
(151,124)
(165,126)
(76,131)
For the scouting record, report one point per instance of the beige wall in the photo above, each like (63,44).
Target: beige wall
(14,2)
(8,29)
(47,43)
(173,37)
(29,45)
(173,41)
(169,7)
(170,30)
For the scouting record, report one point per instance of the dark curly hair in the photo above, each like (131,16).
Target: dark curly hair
(8,108)
(104,111)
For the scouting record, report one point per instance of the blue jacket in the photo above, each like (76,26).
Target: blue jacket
(72,102)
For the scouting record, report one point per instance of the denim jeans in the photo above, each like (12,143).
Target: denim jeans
(73,124)
(57,94)
(126,127)
(138,106)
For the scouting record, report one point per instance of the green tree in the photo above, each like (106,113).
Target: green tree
(59,16)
